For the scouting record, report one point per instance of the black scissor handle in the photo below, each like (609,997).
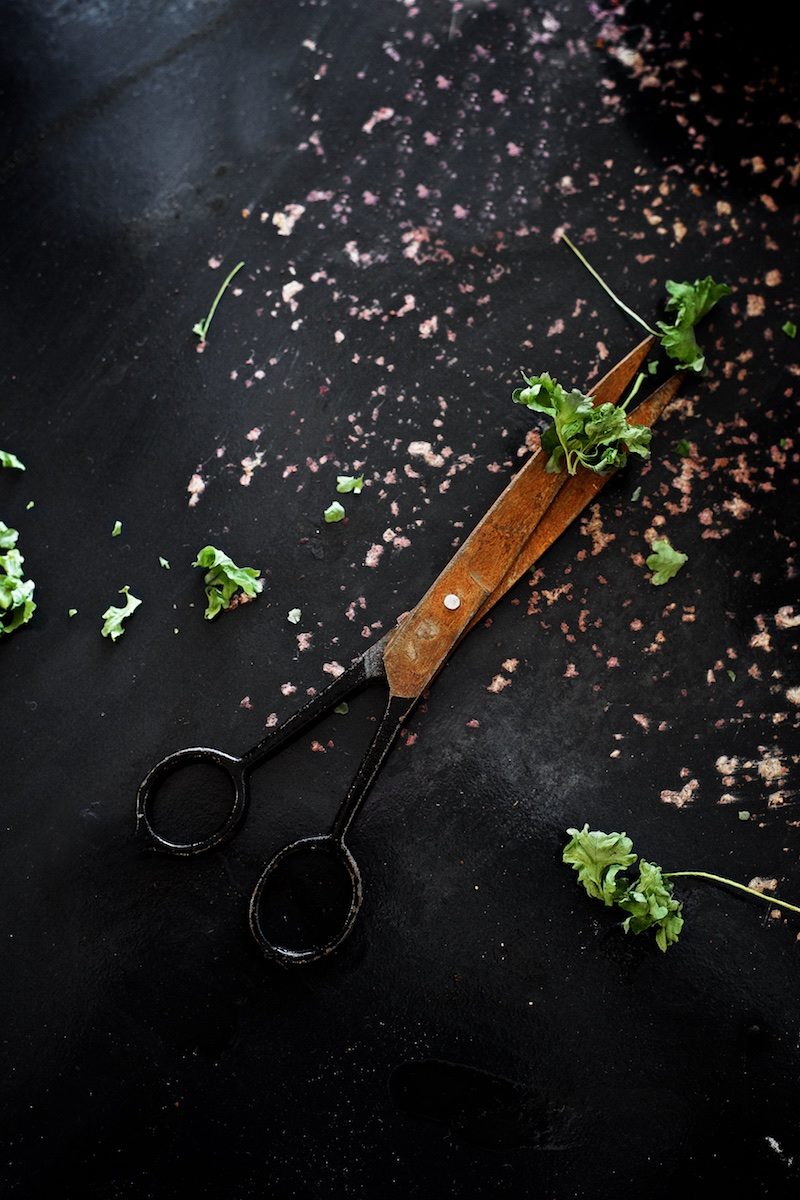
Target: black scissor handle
(236,777)
(312,891)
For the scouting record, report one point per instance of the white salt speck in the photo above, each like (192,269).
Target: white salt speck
(289,291)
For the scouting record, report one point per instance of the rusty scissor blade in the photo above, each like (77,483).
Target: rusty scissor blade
(491,559)
(572,499)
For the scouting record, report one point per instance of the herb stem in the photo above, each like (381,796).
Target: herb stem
(606,288)
(632,393)
(732,883)
(201,328)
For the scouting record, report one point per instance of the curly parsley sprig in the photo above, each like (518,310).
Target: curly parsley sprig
(690,302)
(601,860)
(599,438)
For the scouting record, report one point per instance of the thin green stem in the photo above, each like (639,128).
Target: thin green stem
(201,328)
(606,288)
(632,393)
(732,883)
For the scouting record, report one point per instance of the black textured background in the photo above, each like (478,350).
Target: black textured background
(486,1031)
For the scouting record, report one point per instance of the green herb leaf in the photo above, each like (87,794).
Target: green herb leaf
(652,367)
(164,563)
(201,327)
(342,708)
(72,612)
(650,904)
(117,530)
(293,616)
(691,302)
(16,594)
(598,858)
(598,438)
(664,562)
(334,512)
(113,617)
(223,579)
(683,448)
(636,494)
(7,459)
(350,483)
(30,504)
(790,329)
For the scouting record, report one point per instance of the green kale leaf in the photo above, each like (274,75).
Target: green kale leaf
(664,562)
(690,302)
(223,579)
(113,617)
(334,512)
(598,858)
(350,483)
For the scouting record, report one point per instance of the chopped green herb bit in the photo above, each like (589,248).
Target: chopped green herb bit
(16,594)
(72,612)
(117,530)
(789,328)
(7,459)
(784,443)
(30,504)
(334,512)
(350,483)
(201,327)
(164,563)
(650,905)
(223,579)
(342,708)
(664,562)
(683,448)
(744,815)
(731,675)
(293,616)
(113,617)
(691,302)
(598,438)
(598,858)
(652,367)
(636,494)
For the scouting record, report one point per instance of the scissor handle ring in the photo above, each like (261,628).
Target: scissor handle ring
(288,956)
(148,790)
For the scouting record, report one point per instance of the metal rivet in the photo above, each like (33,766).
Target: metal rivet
(451,600)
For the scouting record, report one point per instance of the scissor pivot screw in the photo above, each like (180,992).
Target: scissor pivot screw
(452,601)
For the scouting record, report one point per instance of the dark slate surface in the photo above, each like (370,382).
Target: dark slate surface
(487,1030)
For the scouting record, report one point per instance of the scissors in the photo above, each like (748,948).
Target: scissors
(308,896)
